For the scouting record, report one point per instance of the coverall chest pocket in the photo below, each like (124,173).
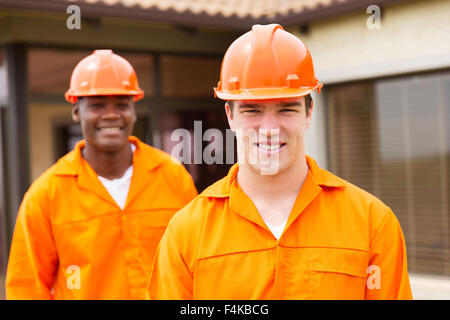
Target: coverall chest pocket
(337,273)
(239,275)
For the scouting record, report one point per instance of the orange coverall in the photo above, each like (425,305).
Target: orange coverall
(339,242)
(72,241)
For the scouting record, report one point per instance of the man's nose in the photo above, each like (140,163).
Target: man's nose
(269,122)
(111,111)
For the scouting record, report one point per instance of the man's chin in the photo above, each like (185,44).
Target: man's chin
(269,168)
(111,145)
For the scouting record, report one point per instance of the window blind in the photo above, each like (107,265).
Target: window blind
(392,138)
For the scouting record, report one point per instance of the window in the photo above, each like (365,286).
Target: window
(143,64)
(189,76)
(49,70)
(197,122)
(392,138)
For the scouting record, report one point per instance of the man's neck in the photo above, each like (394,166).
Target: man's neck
(281,185)
(110,165)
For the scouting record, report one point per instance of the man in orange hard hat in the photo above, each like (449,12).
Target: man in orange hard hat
(89,226)
(278,226)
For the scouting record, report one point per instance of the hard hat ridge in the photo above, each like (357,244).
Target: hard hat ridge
(103,73)
(266,63)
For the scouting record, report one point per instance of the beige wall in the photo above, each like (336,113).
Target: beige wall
(414,36)
(41,119)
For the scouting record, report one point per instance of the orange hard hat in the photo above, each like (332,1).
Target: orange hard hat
(103,73)
(266,63)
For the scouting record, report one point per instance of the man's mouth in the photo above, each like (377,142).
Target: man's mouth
(270,147)
(110,130)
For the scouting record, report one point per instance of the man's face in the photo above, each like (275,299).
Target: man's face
(106,121)
(270,133)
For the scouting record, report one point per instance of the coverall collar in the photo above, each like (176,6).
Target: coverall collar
(316,180)
(144,160)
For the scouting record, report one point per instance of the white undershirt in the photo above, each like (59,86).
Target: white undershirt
(276,230)
(118,188)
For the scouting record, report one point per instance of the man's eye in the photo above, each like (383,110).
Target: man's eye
(96,105)
(287,110)
(122,105)
(254,111)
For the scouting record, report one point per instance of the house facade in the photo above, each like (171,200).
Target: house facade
(382,120)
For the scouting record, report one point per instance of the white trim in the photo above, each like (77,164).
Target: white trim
(390,68)
(430,287)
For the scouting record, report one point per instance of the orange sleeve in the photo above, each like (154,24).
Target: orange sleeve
(33,258)
(171,278)
(387,275)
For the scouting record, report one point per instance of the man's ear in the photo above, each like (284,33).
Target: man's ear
(309,115)
(229,112)
(76,112)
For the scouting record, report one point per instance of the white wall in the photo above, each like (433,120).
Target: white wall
(428,287)
(316,140)
(414,36)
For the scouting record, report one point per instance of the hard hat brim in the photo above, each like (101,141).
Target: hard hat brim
(73,97)
(265,93)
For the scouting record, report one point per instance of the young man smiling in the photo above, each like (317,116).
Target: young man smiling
(278,226)
(88,227)
(272,162)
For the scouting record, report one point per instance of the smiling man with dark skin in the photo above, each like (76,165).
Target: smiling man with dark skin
(107,122)
(89,226)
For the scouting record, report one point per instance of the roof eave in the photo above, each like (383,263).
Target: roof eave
(324,12)
(136,12)
(197,19)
